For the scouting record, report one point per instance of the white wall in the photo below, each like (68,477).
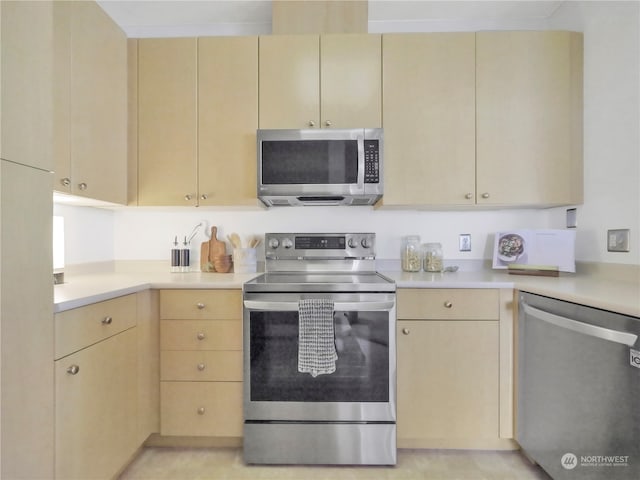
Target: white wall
(612,170)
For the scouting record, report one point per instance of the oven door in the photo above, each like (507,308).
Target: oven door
(361,389)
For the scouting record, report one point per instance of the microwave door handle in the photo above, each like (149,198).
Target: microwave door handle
(338,306)
(624,338)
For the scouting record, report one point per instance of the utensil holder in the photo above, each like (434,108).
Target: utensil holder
(245,260)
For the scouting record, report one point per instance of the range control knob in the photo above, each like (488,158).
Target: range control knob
(352,242)
(366,243)
(287,243)
(274,243)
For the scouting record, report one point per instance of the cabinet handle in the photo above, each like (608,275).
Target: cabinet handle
(201,366)
(312,123)
(485,195)
(73,369)
(406,331)
(66,181)
(107,320)
(82,186)
(448,304)
(204,196)
(328,123)
(200,305)
(469,196)
(200,336)
(201,411)
(188,197)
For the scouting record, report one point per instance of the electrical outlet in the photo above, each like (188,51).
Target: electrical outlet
(618,240)
(571,218)
(465,242)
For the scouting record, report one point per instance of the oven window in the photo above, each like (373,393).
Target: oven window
(310,162)
(362,368)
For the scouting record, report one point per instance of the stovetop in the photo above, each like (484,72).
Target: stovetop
(320,282)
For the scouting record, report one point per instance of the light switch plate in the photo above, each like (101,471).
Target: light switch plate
(465,242)
(618,240)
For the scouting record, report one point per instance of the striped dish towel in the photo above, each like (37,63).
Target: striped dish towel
(316,337)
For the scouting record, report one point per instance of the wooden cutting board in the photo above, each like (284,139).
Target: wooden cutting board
(216,247)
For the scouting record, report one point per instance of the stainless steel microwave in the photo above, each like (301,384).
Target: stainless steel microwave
(320,166)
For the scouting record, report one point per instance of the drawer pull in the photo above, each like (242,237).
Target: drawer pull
(200,305)
(73,369)
(200,336)
(107,320)
(201,411)
(448,304)
(201,366)
(406,331)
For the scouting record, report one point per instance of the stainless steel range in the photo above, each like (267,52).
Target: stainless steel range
(320,354)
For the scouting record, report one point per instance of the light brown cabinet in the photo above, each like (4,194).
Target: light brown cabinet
(201,363)
(450,378)
(197,117)
(487,119)
(96,388)
(90,103)
(326,81)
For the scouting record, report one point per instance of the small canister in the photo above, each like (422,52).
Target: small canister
(410,253)
(432,257)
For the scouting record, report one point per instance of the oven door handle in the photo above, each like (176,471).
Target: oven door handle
(338,306)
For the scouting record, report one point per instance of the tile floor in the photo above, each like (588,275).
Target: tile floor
(159,463)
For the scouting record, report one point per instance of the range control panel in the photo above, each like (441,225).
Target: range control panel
(306,246)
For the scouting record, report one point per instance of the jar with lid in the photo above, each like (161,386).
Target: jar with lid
(410,253)
(432,257)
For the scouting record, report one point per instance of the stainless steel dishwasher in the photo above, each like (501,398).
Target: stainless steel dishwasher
(578,389)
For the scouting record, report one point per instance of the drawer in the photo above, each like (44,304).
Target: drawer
(201,409)
(78,328)
(201,334)
(448,304)
(201,304)
(204,366)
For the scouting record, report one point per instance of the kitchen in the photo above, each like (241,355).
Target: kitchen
(141,237)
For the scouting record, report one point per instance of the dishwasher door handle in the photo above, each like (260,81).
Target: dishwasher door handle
(624,338)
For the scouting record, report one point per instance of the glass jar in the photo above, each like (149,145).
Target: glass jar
(432,257)
(410,253)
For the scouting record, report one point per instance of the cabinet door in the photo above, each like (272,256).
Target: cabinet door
(227,120)
(529,118)
(96,427)
(447,380)
(167,121)
(289,81)
(351,81)
(27,73)
(429,118)
(98,105)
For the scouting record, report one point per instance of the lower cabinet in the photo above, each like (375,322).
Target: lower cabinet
(201,363)
(453,391)
(96,403)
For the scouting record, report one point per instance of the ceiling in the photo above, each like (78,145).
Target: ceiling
(144,17)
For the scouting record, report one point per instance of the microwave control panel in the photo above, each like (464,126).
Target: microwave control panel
(371,161)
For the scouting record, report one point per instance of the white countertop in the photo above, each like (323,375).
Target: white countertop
(592,290)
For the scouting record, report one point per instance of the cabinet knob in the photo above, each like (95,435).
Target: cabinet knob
(448,304)
(201,411)
(485,195)
(73,369)
(328,123)
(200,336)
(82,186)
(469,196)
(107,320)
(406,331)
(312,123)
(200,305)
(204,196)
(66,181)
(188,197)
(201,366)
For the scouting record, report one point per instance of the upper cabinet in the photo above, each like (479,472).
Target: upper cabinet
(493,118)
(197,118)
(327,81)
(429,118)
(27,72)
(529,118)
(90,103)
